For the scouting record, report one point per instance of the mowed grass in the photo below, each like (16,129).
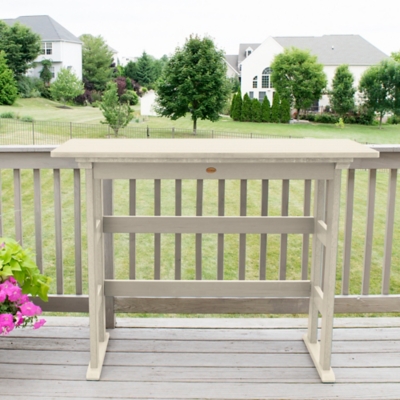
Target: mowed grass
(145,242)
(47,110)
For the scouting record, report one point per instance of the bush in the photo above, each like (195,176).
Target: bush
(326,118)
(308,117)
(27,118)
(29,87)
(393,120)
(130,97)
(8,114)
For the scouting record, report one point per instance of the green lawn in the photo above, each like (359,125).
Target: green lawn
(46,110)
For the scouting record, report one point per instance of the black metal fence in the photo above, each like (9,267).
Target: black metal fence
(17,132)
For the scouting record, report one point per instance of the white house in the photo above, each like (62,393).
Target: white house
(59,45)
(147,103)
(252,64)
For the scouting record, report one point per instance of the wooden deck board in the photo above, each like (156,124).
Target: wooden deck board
(243,359)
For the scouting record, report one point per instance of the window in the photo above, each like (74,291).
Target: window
(255,82)
(266,82)
(47,48)
(261,96)
(52,72)
(251,95)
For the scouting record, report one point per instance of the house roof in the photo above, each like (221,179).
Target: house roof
(46,27)
(337,49)
(232,60)
(330,49)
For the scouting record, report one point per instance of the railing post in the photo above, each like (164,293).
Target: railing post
(70,130)
(173,132)
(147,131)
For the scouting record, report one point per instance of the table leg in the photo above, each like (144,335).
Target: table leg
(323,294)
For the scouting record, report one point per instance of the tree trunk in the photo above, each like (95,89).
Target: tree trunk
(194,126)
(298,114)
(380,120)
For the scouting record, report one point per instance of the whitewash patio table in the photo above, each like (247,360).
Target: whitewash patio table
(318,159)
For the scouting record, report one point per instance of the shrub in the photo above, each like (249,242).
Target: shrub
(285,111)
(266,110)
(276,108)
(27,118)
(246,108)
(255,110)
(130,97)
(8,114)
(326,118)
(393,120)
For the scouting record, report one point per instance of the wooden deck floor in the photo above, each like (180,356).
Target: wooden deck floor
(201,359)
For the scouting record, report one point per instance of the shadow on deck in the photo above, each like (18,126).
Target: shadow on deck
(201,359)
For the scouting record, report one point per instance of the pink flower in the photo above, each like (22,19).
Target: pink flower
(23,299)
(3,295)
(7,286)
(28,309)
(6,323)
(39,323)
(12,280)
(14,294)
(20,318)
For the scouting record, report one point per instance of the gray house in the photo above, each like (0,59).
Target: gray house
(59,45)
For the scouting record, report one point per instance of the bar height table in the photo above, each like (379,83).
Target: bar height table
(321,160)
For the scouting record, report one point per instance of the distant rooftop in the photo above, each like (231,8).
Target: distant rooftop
(330,49)
(49,29)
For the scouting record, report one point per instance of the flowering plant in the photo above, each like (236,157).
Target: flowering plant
(19,276)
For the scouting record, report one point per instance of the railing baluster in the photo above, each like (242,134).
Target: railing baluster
(157,236)
(348,231)
(221,213)
(369,232)
(242,236)
(78,231)
(132,236)
(306,237)
(199,212)
(38,218)
(109,272)
(284,237)
(178,236)
(387,257)
(18,206)
(263,236)
(58,231)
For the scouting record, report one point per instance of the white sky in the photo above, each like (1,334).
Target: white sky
(159,26)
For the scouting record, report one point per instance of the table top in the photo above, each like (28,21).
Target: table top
(189,149)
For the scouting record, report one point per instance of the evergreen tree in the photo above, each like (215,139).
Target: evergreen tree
(130,71)
(45,73)
(266,110)
(246,108)
(276,108)
(237,107)
(145,70)
(255,110)
(231,111)
(343,91)
(8,87)
(285,111)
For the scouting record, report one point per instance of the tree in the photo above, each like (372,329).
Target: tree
(117,114)
(255,110)
(395,55)
(145,70)
(237,107)
(380,88)
(45,73)
(232,106)
(8,87)
(130,70)
(298,76)
(285,111)
(194,80)
(97,59)
(343,91)
(246,108)
(276,108)
(266,110)
(20,45)
(66,87)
